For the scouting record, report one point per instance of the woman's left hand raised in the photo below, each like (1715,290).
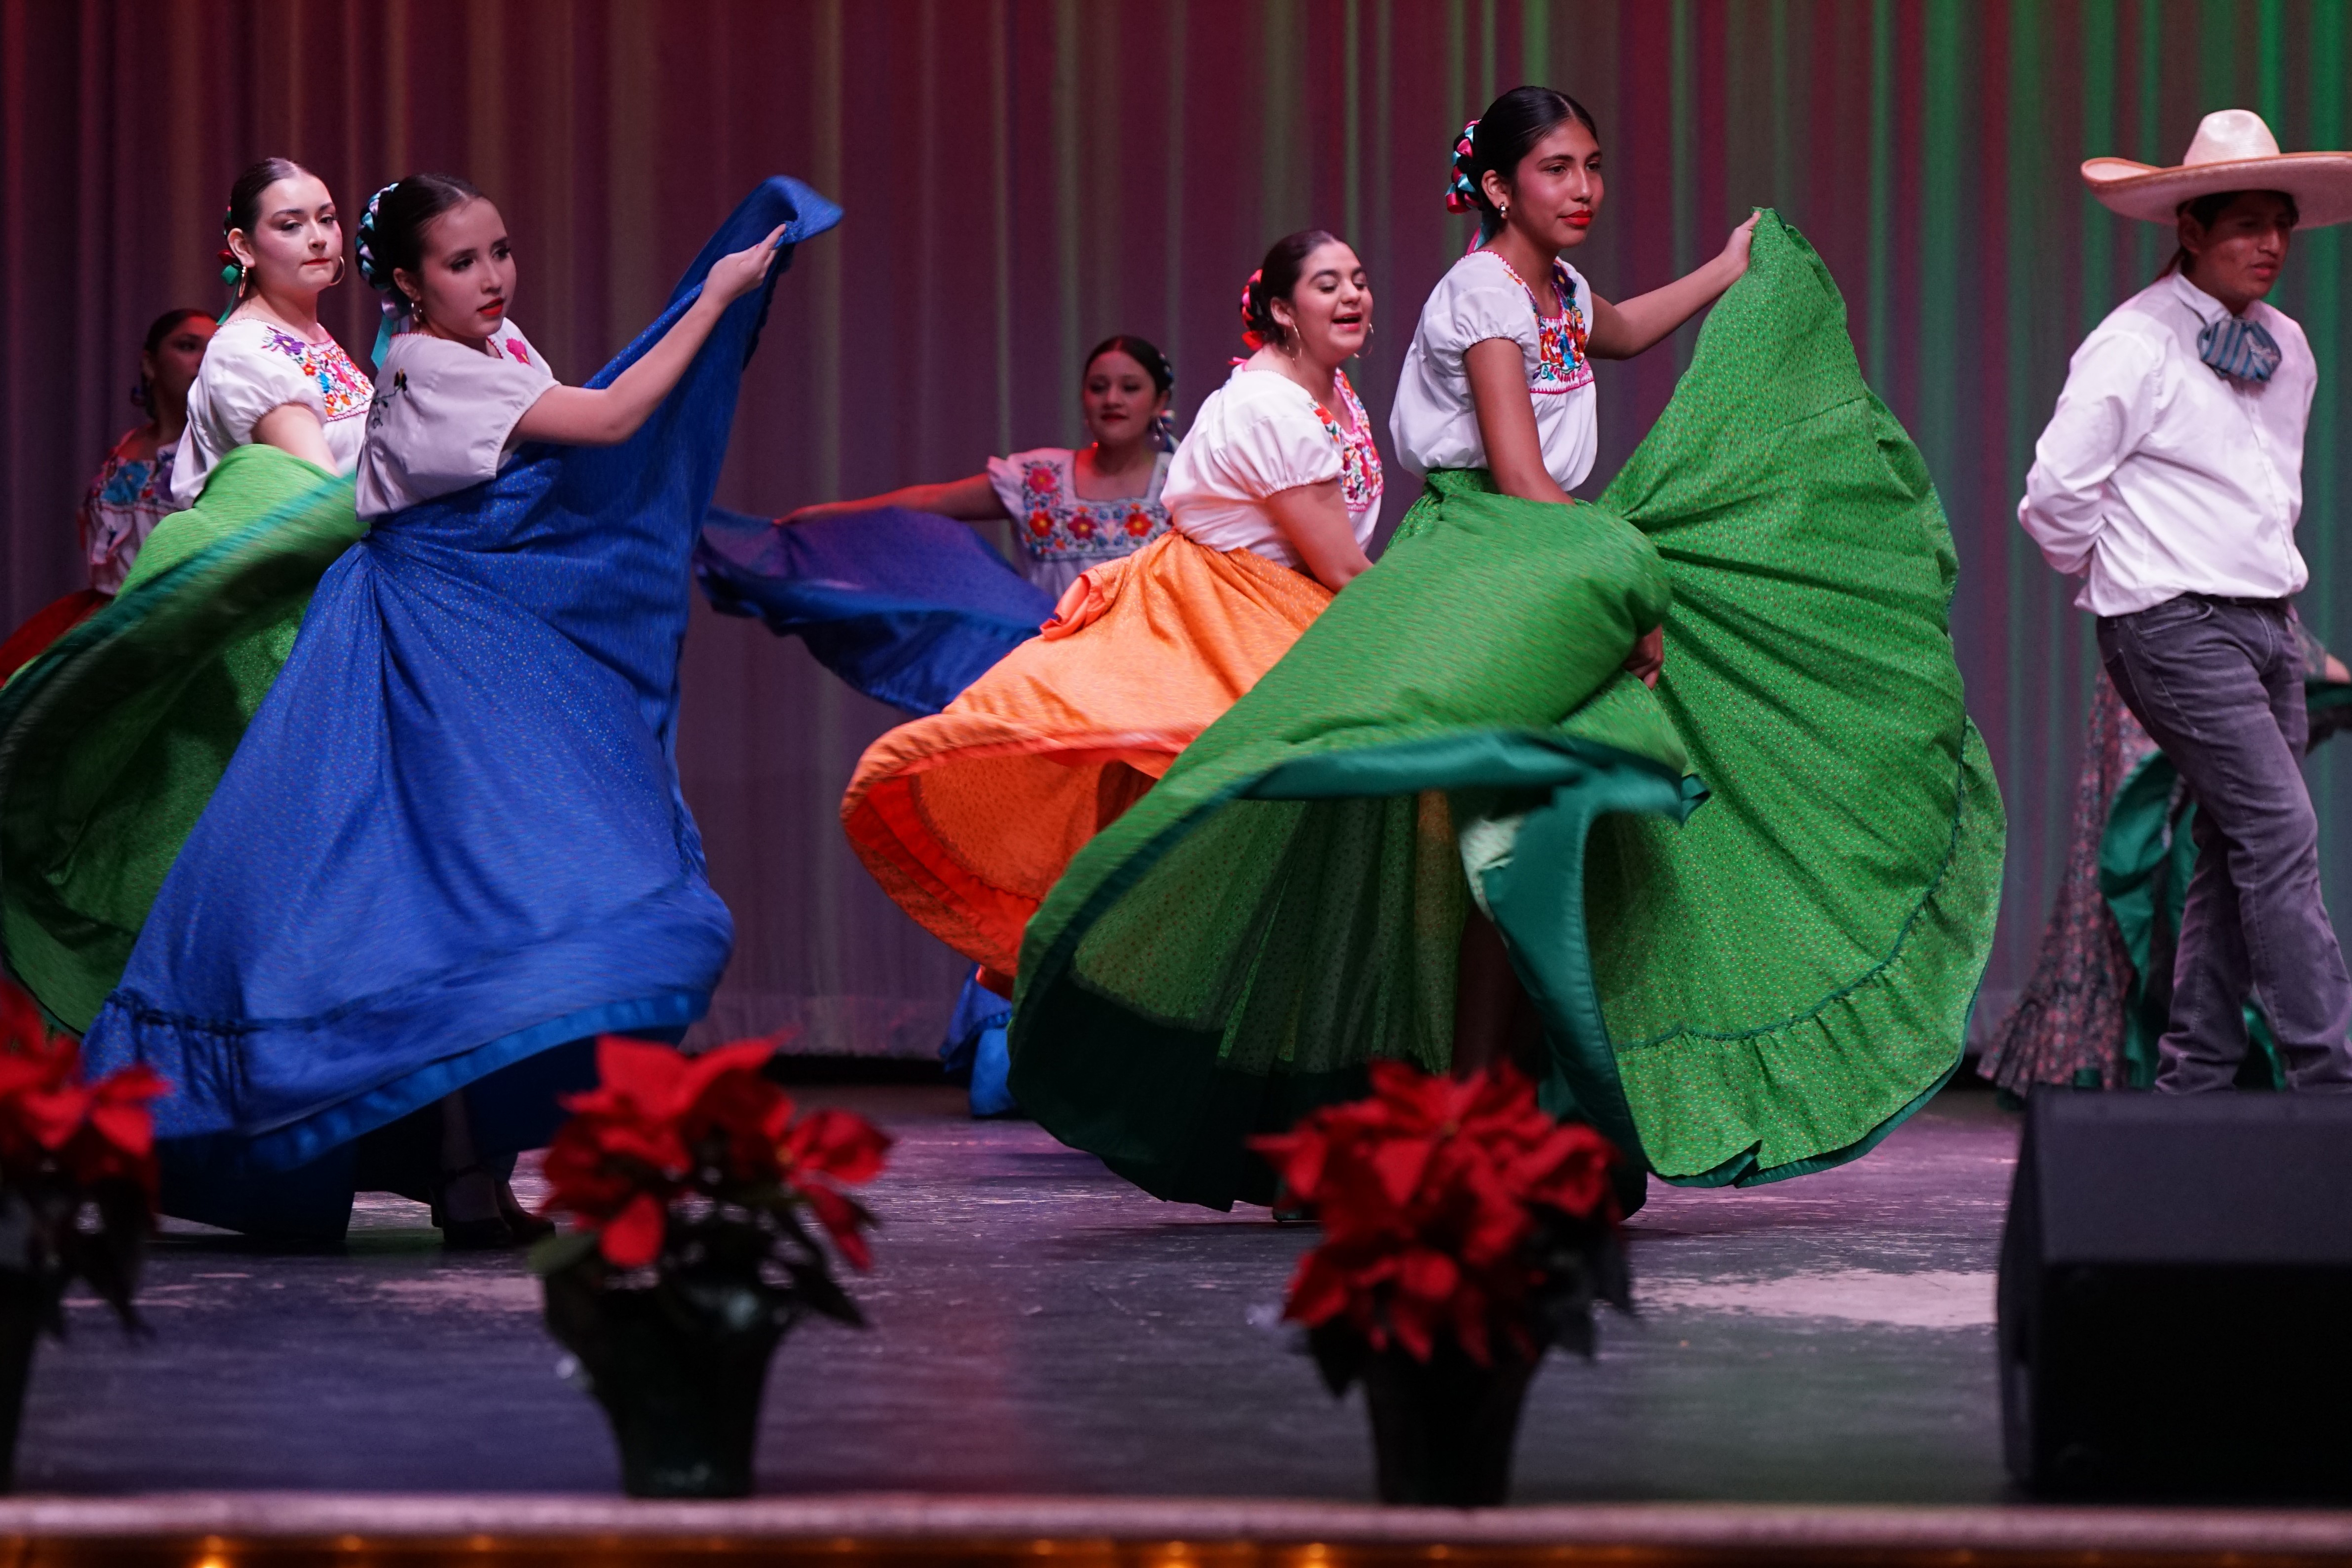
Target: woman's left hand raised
(732,277)
(1735,249)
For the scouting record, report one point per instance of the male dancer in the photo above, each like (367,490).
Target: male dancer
(2171,477)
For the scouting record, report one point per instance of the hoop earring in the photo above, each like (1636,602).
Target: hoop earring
(340,266)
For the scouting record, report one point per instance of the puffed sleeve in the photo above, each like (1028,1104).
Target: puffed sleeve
(1279,444)
(245,377)
(1482,303)
(444,417)
(1010,478)
(464,412)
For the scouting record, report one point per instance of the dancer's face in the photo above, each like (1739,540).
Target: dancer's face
(172,369)
(1119,400)
(1330,311)
(2237,257)
(1555,194)
(465,275)
(295,245)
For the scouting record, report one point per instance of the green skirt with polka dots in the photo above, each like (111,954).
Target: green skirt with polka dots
(1751,907)
(114,741)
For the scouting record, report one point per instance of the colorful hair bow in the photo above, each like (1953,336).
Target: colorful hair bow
(394,303)
(1461,193)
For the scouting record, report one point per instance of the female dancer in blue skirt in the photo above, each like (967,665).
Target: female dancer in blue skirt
(452,843)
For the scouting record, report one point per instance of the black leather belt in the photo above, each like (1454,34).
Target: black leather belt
(2276,606)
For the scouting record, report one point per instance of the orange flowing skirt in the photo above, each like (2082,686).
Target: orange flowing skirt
(968,818)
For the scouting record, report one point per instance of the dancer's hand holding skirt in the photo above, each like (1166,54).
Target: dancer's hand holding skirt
(432,840)
(1751,907)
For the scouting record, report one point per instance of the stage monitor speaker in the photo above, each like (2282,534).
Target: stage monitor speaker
(2175,1295)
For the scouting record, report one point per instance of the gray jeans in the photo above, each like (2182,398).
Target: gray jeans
(2219,685)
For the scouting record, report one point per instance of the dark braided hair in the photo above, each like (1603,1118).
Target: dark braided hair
(245,197)
(1277,278)
(391,230)
(1499,139)
(1155,365)
(244,211)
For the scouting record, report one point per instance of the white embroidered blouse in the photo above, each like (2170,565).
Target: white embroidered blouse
(444,415)
(252,366)
(1260,433)
(1434,424)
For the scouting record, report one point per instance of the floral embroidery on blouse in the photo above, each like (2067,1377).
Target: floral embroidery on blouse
(1561,361)
(1058,524)
(342,389)
(126,500)
(1359,457)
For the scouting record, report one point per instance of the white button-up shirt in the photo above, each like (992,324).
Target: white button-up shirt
(2158,477)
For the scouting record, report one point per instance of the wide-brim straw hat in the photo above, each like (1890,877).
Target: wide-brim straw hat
(2232,150)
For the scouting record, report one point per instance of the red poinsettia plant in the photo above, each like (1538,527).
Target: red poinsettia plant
(1452,1209)
(77,1176)
(693,1176)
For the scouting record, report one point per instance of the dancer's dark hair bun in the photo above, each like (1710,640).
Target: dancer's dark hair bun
(1277,278)
(391,230)
(1499,138)
(1155,363)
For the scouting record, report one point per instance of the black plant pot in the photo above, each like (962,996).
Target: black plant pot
(22,1306)
(680,1373)
(1443,1430)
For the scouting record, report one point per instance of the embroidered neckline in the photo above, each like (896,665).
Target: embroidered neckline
(1561,361)
(1059,524)
(1360,456)
(343,389)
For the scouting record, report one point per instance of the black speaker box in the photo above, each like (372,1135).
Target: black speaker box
(2176,1296)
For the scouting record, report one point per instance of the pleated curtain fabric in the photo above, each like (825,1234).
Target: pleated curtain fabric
(1026,177)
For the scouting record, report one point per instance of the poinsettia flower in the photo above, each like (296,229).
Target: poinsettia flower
(1427,1191)
(842,1220)
(838,1145)
(117,1138)
(632,1238)
(659,1082)
(661,1126)
(50,1112)
(596,1175)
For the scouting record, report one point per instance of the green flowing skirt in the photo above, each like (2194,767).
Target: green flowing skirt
(1751,907)
(114,741)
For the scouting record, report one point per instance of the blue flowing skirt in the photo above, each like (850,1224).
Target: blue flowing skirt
(451,847)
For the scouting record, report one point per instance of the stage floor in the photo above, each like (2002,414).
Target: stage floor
(1041,1327)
